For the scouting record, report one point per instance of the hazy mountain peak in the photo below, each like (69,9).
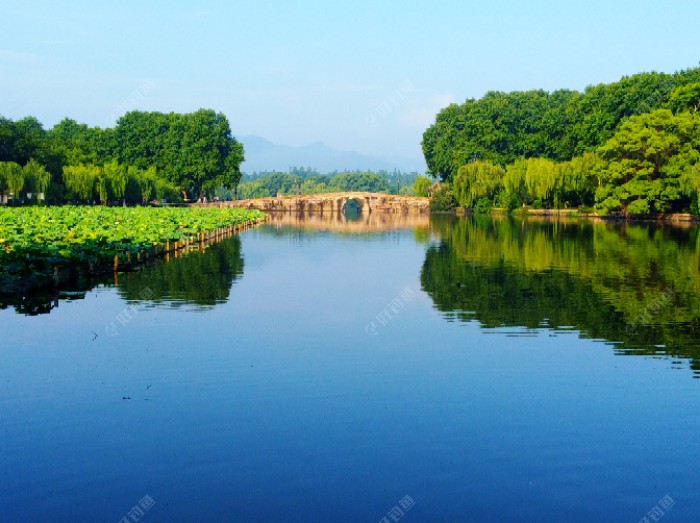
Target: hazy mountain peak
(264,155)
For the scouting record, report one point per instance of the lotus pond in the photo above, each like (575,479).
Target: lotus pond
(36,239)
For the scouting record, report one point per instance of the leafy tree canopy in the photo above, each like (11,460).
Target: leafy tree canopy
(501,127)
(145,155)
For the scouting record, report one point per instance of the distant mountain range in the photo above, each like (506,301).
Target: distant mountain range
(263,155)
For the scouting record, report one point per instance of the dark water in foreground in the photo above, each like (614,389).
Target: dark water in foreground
(474,370)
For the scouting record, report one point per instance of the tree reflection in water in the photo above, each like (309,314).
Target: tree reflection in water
(636,286)
(202,279)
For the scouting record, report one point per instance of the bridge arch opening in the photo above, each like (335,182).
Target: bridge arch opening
(352,209)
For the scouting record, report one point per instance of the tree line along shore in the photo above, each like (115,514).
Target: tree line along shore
(629,148)
(145,156)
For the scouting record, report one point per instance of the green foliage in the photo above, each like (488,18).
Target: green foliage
(514,182)
(195,151)
(42,236)
(443,199)
(615,146)
(11,179)
(645,161)
(483,206)
(116,177)
(501,127)
(114,182)
(74,142)
(689,183)
(541,177)
(422,185)
(685,98)
(279,183)
(144,186)
(36,177)
(578,181)
(315,185)
(477,180)
(190,152)
(22,140)
(81,180)
(364,181)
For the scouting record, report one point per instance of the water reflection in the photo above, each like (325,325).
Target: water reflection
(636,286)
(42,301)
(358,223)
(202,279)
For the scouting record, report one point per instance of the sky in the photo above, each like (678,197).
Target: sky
(357,75)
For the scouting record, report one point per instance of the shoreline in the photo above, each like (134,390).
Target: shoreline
(675,218)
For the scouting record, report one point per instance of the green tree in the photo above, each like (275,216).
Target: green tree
(6,139)
(476,180)
(501,127)
(359,181)
(514,182)
(116,178)
(81,180)
(314,185)
(578,180)
(36,177)
(541,178)
(685,98)
(422,185)
(195,151)
(11,179)
(645,160)
(29,140)
(443,199)
(690,183)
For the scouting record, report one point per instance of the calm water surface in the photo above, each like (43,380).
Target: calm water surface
(311,371)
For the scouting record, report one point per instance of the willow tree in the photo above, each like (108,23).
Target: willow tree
(81,179)
(578,180)
(116,176)
(4,171)
(37,178)
(11,179)
(514,181)
(541,176)
(477,180)
(421,186)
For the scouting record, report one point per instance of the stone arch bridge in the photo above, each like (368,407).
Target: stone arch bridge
(362,202)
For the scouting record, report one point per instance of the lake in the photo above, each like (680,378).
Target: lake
(377,370)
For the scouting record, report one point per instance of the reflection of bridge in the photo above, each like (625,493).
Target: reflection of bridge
(365,202)
(337,222)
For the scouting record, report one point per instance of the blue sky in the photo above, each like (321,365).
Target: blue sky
(358,75)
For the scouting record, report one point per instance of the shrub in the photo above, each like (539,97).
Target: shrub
(443,199)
